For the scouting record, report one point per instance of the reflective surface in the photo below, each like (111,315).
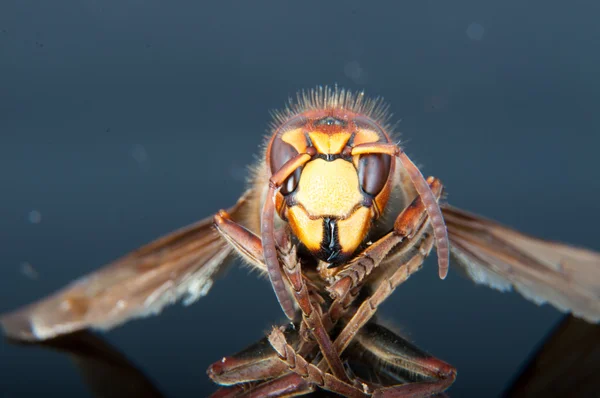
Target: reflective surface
(121,121)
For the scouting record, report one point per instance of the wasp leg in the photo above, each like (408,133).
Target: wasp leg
(383,290)
(406,226)
(257,362)
(267,231)
(338,309)
(312,315)
(249,246)
(288,385)
(310,372)
(410,371)
(245,242)
(409,228)
(257,371)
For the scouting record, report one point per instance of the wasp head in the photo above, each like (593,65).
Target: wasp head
(331,201)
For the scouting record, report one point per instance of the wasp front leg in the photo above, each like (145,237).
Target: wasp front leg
(249,245)
(309,372)
(406,225)
(383,289)
(312,315)
(415,246)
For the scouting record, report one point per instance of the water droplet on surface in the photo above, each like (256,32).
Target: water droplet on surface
(139,154)
(355,72)
(28,270)
(475,32)
(34,217)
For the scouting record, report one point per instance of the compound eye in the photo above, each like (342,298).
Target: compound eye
(373,172)
(282,151)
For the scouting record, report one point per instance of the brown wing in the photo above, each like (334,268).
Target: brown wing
(182,264)
(564,276)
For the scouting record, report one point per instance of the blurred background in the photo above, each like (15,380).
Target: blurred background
(123,120)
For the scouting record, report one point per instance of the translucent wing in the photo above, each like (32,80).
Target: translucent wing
(182,264)
(564,276)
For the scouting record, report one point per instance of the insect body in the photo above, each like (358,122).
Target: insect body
(338,216)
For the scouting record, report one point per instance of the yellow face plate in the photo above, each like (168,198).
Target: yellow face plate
(329,188)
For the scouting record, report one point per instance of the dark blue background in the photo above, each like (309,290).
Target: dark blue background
(122,120)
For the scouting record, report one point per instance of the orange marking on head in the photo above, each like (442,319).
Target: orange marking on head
(364,135)
(329,143)
(295,138)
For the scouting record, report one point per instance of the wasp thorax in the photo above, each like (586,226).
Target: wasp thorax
(331,201)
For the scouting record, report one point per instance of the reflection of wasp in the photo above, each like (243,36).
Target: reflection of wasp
(337,216)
